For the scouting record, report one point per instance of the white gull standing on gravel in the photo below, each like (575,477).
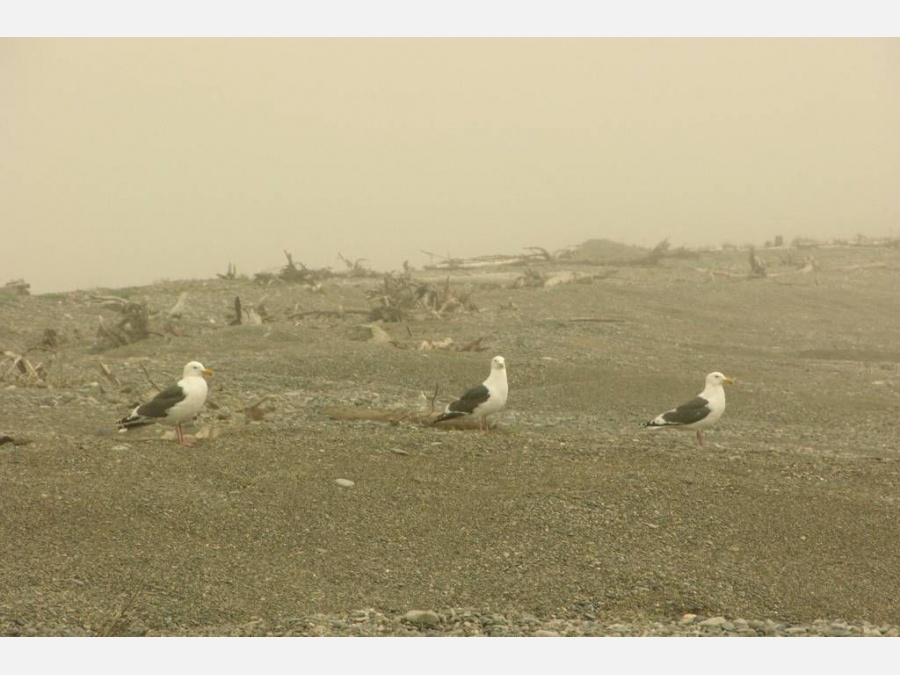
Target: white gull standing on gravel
(174,405)
(481,400)
(700,412)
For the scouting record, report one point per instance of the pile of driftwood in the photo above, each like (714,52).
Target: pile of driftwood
(400,294)
(663,250)
(16,287)
(17,368)
(292,274)
(133,321)
(759,269)
(131,325)
(537,255)
(531,278)
(448,345)
(534,279)
(355,268)
(248,315)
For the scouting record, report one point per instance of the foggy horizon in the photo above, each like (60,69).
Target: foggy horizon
(129,161)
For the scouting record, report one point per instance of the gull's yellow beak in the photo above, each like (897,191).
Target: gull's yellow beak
(207,371)
(728,380)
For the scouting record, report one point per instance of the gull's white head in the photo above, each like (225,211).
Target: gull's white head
(717,379)
(498,363)
(196,369)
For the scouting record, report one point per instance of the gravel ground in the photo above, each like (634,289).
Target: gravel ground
(316,503)
(473,623)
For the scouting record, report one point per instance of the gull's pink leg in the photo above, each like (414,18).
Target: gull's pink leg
(181,439)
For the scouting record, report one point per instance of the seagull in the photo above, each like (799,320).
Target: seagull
(175,405)
(698,413)
(481,400)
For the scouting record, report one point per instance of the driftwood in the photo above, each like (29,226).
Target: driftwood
(379,335)
(290,273)
(432,400)
(530,279)
(238,312)
(21,369)
(108,374)
(119,623)
(540,255)
(722,273)
(355,268)
(663,250)
(18,441)
(253,412)
(16,287)
(447,344)
(539,251)
(400,294)
(397,417)
(133,324)
(178,308)
(49,341)
(757,266)
(375,415)
(867,266)
(248,316)
(397,295)
(586,319)
(809,265)
(231,273)
(113,302)
(150,379)
(567,277)
(338,313)
(534,279)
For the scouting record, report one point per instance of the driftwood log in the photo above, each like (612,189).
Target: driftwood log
(540,255)
(247,315)
(397,417)
(757,266)
(18,367)
(447,344)
(133,325)
(230,274)
(178,308)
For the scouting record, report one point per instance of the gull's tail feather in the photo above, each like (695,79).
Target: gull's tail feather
(133,420)
(447,416)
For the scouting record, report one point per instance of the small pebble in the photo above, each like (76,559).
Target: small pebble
(716,621)
(421,617)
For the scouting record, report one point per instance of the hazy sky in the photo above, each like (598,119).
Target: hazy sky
(127,161)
